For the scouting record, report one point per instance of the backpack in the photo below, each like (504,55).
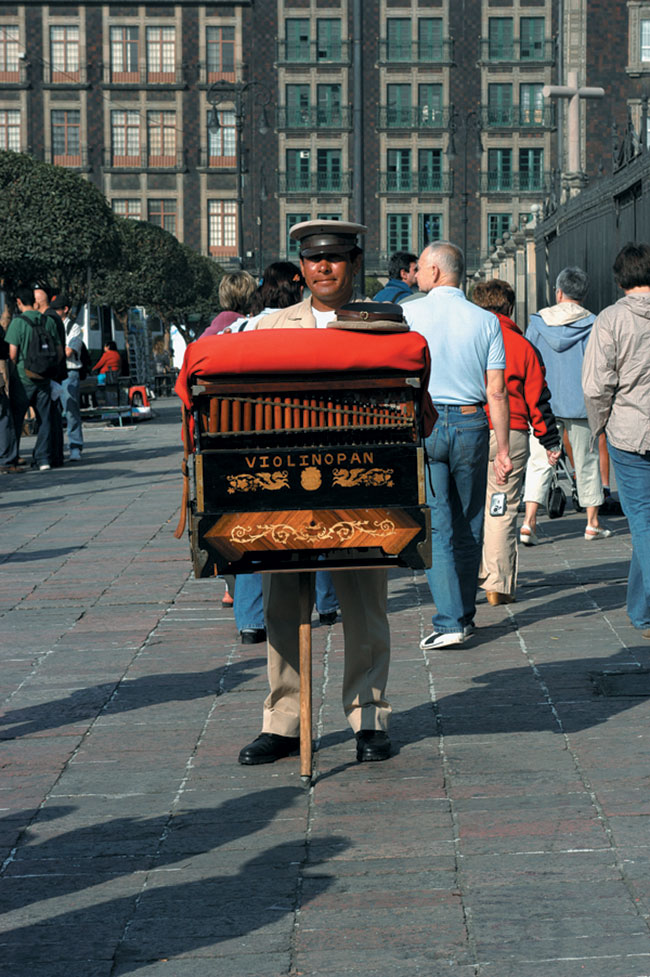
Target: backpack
(40,358)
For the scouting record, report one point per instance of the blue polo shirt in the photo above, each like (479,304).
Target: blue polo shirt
(464,341)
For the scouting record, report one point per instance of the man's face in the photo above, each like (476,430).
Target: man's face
(410,276)
(41,300)
(424,276)
(330,279)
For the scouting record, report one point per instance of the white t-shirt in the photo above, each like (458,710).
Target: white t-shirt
(324,317)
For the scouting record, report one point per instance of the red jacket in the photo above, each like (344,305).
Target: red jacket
(528,394)
(111,360)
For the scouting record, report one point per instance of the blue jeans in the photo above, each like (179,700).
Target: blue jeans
(70,401)
(633,483)
(247,604)
(457,459)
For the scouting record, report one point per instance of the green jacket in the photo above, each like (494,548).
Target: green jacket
(18,334)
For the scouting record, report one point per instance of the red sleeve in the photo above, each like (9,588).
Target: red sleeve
(538,399)
(100,364)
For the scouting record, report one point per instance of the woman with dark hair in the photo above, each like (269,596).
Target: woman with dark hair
(282,286)
(111,361)
(529,400)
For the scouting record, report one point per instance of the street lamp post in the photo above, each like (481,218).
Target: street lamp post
(237,93)
(469,124)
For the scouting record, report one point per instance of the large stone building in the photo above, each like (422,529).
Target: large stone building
(430,123)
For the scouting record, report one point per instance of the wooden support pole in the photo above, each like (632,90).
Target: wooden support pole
(304,639)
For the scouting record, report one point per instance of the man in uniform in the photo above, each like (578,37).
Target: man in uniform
(329,260)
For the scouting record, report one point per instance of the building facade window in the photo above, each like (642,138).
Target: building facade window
(9,51)
(298,106)
(531,169)
(220,53)
(645,40)
(498,225)
(128,207)
(296,34)
(162,213)
(430,46)
(429,229)
(430,106)
(429,170)
(125,54)
(66,137)
(161,138)
(398,111)
(293,247)
(500,39)
(298,162)
(398,39)
(64,53)
(222,142)
(531,42)
(499,169)
(328,170)
(499,105)
(10,129)
(398,232)
(328,39)
(222,227)
(125,138)
(328,105)
(161,55)
(531,105)
(398,169)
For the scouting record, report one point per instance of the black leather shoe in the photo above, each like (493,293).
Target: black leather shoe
(269,747)
(252,636)
(329,617)
(372,744)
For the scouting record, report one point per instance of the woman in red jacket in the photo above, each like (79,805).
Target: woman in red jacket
(111,360)
(529,400)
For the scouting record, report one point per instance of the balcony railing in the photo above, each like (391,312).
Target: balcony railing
(416,52)
(313,117)
(143,77)
(518,117)
(310,53)
(208,74)
(144,161)
(71,161)
(416,184)
(517,51)
(412,117)
(211,161)
(515,182)
(15,74)
(58,76)
(314,184)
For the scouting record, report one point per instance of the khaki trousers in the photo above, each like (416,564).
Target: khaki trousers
(586,462)
(499,558)
(362,596)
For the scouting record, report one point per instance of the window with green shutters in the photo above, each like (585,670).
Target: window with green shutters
(297,97)
(531,169)
(399,105)
(499,105)
(328,38)
(398,232)
(398,37)
(429,229)
(328,169)
(293,247)
(328,102)
(498,225)
(430,39)
(531,44)
(531,105)
(429,170)
(500,39)
(296,33)
(499,169)
(398,170)
(645,40)
(430,106)
(298,166)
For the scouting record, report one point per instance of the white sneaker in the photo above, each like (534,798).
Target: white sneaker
(43,468)
(75,454)
(442,639)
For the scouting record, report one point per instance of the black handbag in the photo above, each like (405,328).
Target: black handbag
(556,499)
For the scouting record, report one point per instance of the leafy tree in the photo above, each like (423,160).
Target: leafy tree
(201,302)
(56,226)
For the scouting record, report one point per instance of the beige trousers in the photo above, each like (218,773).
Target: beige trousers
(362,596)
(586,462)
(499,558)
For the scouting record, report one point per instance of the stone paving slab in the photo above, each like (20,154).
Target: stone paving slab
(508,836)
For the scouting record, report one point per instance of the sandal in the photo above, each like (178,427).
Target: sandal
(597,532)
(528,536)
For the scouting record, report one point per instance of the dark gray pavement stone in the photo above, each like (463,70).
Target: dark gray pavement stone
(506,837)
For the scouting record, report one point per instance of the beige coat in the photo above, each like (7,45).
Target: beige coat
(297,316)
(616,374)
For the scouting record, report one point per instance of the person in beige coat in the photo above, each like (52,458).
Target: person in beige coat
(329,260)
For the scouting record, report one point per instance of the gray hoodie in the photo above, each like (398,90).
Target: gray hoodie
(616,374)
